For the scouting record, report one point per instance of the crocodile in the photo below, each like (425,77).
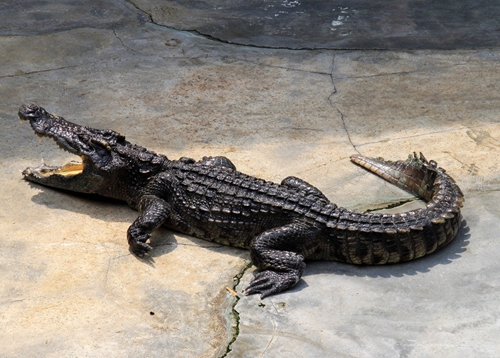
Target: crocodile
(280,224)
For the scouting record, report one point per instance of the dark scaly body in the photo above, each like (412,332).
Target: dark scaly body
(281,224)
(231,208)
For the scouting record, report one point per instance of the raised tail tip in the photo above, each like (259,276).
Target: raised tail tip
(366,162)
(390,171)
(416,159)
(355,158)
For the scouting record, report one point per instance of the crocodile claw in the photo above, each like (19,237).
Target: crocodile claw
(271,282)
(140,248)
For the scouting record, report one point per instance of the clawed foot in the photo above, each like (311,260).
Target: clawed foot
(271,282)
(137,243)
(140,248)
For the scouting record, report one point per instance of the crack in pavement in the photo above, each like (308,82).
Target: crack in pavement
(402,73)
(37,71)
(282,67)
(123,44)
(235,325)
(345,128)
(342,119)
(383,74)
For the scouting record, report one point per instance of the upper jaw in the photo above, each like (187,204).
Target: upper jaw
(80,140)
(68,136)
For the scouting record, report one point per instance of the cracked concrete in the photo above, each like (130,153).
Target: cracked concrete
(70,286)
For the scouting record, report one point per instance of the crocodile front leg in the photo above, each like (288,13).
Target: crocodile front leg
(153,212)
(279,255)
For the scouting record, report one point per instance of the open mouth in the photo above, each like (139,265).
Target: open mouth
(44,171)
(93,146)
(70,137)
(68,170)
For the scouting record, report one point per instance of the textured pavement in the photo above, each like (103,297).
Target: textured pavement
(69,286)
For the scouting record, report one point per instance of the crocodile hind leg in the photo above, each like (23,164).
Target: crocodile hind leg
(218,161)
(279,255)
(302,185)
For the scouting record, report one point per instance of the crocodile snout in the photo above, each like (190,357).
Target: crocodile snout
(29,111)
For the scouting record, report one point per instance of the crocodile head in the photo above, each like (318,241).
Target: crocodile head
(107,159)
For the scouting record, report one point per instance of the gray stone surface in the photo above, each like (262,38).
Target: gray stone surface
(34,17)
(69,286)
(344,24)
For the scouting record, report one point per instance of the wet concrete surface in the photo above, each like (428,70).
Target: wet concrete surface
(69,285)
(345,24)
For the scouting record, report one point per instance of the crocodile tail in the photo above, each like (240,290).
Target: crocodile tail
(375,238)
(416,175)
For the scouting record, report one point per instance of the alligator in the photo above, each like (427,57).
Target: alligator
(280,224)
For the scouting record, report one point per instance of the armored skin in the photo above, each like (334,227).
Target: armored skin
(281,224)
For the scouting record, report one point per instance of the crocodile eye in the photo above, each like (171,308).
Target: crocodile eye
(31,108)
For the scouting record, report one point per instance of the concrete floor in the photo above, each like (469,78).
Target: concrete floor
(69,286)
